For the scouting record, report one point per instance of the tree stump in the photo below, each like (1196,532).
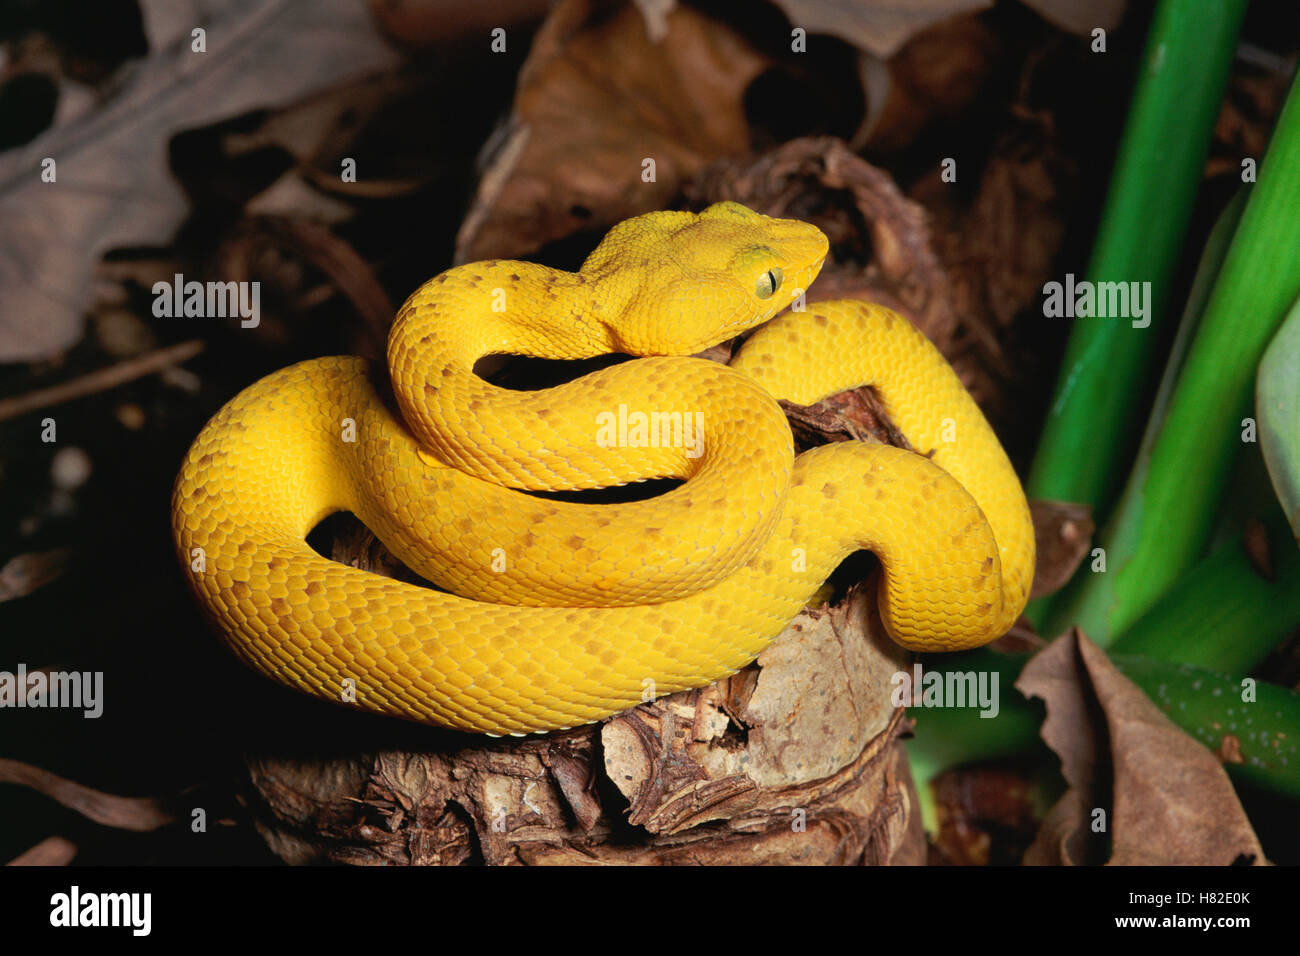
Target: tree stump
(795,759)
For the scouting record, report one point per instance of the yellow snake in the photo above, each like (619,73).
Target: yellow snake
(574,611)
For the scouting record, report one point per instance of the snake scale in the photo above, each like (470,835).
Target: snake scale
(556,613)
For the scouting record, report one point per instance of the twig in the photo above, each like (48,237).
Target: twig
(101,380)
(25,573)
(140,814)
(52,851)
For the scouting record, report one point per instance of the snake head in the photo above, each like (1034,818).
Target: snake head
(691,280)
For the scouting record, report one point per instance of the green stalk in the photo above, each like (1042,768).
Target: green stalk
(1165,517)
(1223,614)
(1210,706)
(1090,423)
(1207,271)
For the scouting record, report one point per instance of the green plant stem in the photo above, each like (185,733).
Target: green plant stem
(1262,733)
(1207,271)
(1091,422)
(1168,509)
(1223,614)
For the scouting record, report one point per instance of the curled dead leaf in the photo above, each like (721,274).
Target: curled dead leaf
(1158,794)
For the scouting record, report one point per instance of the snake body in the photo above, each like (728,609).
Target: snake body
(572,612)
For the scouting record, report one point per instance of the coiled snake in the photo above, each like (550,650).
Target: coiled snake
(572,611)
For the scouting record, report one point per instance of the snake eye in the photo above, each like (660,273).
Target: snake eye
(769,282)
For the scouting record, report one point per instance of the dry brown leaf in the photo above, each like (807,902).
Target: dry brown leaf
(113,186)
(1053,674)
(290,196)
(1062,838)
(1062,536)
(596,98)
(319,125)
(1167,799)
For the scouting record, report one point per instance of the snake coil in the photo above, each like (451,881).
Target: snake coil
(561,613)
